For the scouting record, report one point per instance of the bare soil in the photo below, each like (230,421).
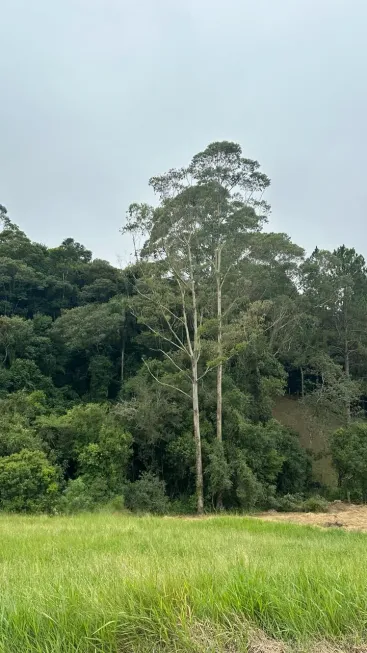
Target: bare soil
(340,515)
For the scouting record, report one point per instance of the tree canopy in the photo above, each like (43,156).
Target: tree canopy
(157,382)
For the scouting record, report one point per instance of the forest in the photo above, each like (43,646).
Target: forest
(152,387)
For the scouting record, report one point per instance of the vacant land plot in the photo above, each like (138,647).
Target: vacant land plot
(115,583)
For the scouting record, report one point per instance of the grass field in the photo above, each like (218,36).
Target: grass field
(117,583)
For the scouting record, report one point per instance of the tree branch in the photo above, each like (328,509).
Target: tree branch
(167,385)
(180,369)
(208,369)
(158,334)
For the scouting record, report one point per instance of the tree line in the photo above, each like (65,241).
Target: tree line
(155,384)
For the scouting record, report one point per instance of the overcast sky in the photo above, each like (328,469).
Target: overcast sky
(98,95)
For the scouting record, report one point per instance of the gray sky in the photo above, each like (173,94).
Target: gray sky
(98,95)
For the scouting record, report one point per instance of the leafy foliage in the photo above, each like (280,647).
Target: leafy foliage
(349,453)
(147,495)
(28,483)
(76,498)
(107,374)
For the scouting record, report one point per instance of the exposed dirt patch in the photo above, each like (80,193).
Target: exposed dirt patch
(210,639)
(259,643)
(340,515)
(334,648)
(262,644)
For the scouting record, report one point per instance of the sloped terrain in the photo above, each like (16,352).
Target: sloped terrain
(313,431)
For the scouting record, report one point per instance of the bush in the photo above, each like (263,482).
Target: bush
(81,495)
(116,504)
(28,483)
(108,458)
(274,455)
(89,440)
(218,472)
(295,476)
(184,505)
(289,503)
(148,494)
(349,454)
(315,504)
(249,491)
(296,503)
(76,498)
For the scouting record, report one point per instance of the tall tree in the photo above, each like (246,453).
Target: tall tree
(234,211)
(335,284)
(206,230)
(169,283)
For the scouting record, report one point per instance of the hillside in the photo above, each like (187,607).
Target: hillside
(313,433)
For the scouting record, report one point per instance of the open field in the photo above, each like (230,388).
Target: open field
(116,583)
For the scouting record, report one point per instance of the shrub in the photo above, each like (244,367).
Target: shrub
(148,494)
(296,474)
(76,498)
(296,503)
(315,504)
(218,472)
(108,458)
(274,455)
(89,441)
(116,504)
(28,483)
(258,445)
(289,503)
(249,491)
(184,505)
(80,496)
(349,455)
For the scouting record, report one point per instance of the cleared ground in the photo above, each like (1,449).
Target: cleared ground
(115,583)
(348,517)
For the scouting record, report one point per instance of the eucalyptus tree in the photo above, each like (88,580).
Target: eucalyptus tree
(234,212)
(199,245)
(168,293)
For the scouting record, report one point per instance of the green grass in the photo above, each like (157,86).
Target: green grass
(116,583)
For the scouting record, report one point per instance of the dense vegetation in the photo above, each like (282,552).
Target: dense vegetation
(154,385)
(93,583)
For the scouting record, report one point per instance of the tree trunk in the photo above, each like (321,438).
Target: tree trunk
(220,366)
(347,374)
(195,355)
(122,370)
(302,382)
(197,437)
